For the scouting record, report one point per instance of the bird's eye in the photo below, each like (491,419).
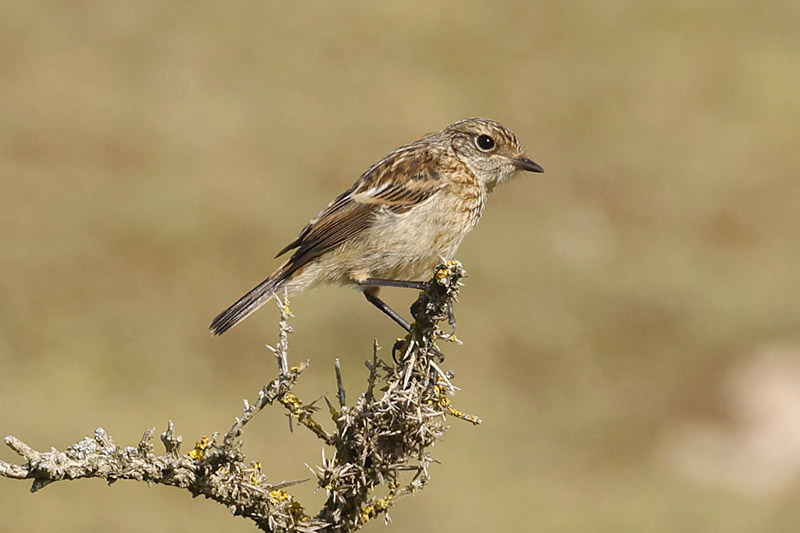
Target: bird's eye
(484,142)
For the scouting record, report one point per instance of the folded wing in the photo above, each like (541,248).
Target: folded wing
(397,183)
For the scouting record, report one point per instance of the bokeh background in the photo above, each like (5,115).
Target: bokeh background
(631,323)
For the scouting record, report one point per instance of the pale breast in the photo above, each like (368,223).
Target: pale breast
(410,244)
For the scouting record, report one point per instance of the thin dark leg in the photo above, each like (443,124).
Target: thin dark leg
(377,282)
(451,317)
(399,345)
(383,306)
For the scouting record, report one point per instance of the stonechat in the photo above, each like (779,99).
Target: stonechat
(398,220)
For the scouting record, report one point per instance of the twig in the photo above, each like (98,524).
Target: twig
(340,394)
(377,443)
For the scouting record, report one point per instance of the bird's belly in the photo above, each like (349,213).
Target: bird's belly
(409,245)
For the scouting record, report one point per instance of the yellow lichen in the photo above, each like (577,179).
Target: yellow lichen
(199,450)
(279,495)
(463,416)
(367,513)
(290,399)
(255,475)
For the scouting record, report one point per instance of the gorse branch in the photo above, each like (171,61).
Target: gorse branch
(376,450)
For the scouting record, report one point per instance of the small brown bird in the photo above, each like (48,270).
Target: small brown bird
(398,220)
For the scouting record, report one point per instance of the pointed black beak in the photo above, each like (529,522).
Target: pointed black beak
(526,164)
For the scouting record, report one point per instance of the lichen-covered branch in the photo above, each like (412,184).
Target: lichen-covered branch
(376,450)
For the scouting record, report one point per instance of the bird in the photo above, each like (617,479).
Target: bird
(401,217)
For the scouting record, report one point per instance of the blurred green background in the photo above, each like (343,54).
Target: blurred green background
(631,323)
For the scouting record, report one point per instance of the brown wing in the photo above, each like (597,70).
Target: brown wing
(398,182)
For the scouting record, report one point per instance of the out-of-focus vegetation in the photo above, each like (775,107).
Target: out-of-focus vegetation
(632,319)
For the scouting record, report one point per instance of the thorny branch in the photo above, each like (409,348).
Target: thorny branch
(376,453)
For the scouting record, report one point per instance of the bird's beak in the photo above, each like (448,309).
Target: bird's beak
(526,164)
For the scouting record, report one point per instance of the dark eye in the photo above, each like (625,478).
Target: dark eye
(484,142)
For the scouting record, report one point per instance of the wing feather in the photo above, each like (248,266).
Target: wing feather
(398,182)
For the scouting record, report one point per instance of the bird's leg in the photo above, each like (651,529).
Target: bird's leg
(372,286)
(372,297)
(371,294)
(451,319)
(400,344)
(405,284)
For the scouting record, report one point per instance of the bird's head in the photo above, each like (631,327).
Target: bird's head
(490,150)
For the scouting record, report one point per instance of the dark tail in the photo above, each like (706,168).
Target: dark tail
(247,304)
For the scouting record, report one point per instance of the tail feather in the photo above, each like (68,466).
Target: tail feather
(246,305)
